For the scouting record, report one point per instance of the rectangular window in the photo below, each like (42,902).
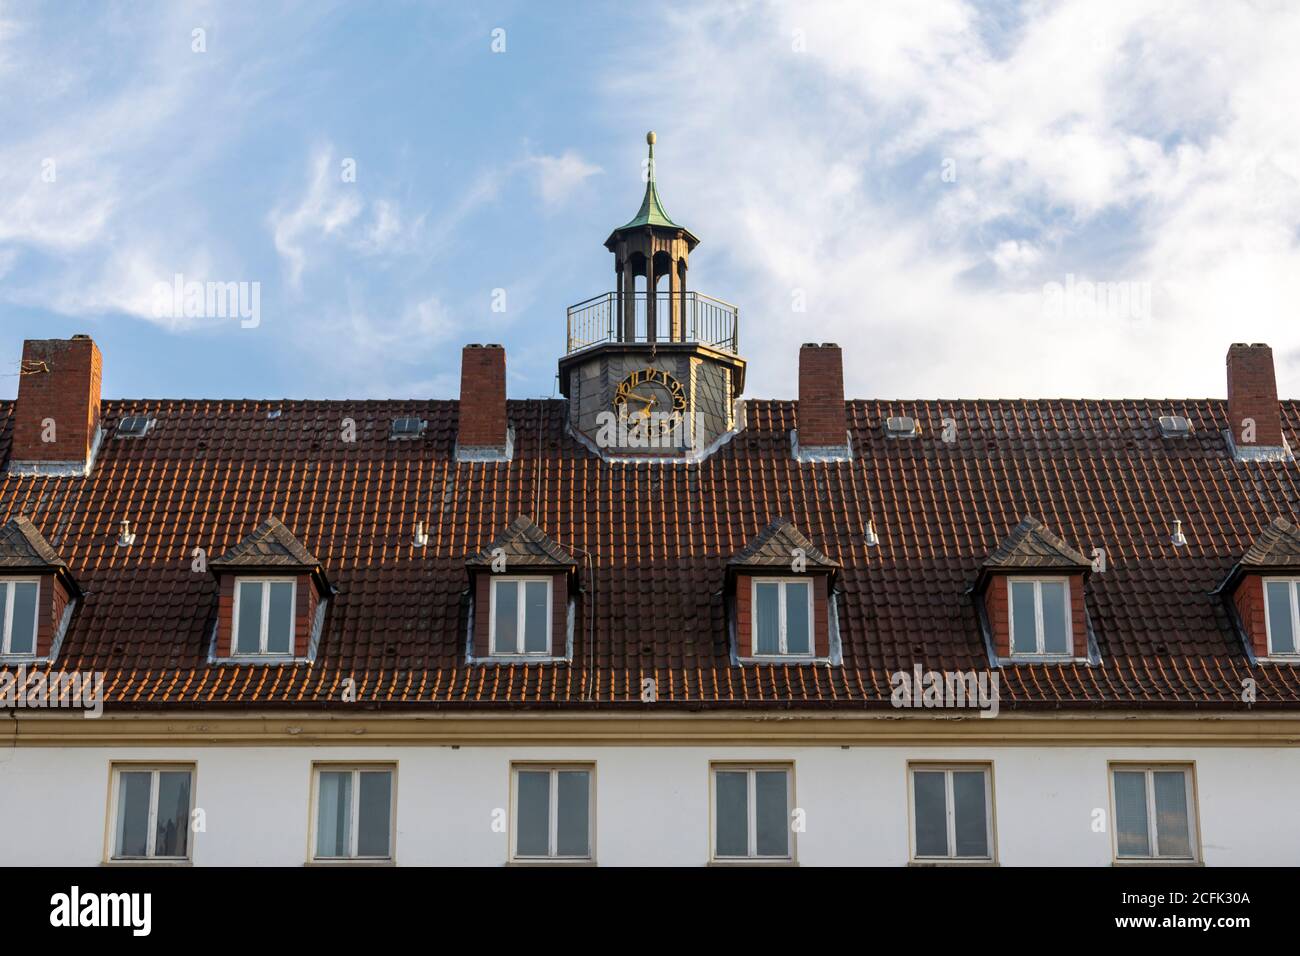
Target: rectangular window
(1282,615)
(1040,617)
(264,616)
(354,813)
(151,812)
(520,616)
(19,600)
(1155,813)
(782,617)
(952,813)
(752,813)
(553,812)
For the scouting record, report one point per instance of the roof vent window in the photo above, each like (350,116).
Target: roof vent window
(901,426)
(407,428)
(1175,426)
(134,426)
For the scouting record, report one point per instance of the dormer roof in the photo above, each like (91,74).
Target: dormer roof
(774,548)
(272,547)
(523,545)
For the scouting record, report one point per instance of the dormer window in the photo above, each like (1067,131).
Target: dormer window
(264,616)
(38,594)
(273,599)
(781,594)
(1282,615)
(1040,617)
(1262,592)
(1031,597)
(520,621)
(19,600)
(782,617)
(523,597)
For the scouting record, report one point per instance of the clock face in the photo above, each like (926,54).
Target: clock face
(652,397)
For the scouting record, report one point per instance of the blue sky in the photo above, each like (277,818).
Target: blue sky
(904,179)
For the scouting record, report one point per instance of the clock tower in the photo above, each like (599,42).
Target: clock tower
(652,369)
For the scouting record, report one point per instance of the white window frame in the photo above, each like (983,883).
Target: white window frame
(950,808)
(553,802)
(751,807)
(266,617)
(1040,635)
(521,612)
(354,834)
(153,769)
(6,625)
(781,653)
(1295,616)
(1188,771)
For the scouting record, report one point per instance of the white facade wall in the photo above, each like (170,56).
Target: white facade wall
(652,802)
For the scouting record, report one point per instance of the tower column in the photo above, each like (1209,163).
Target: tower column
(627,302)
(651,294)
(675,301)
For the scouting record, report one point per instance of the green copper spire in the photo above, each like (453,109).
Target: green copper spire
(652,210)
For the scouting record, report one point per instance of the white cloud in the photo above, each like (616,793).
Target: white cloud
(559,176)
(1134,142)
(327,205)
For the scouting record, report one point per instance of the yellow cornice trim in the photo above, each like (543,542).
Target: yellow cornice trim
(66,729)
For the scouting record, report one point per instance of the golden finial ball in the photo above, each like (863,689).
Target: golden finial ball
(650,137)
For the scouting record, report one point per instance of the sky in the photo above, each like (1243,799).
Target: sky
(940,187)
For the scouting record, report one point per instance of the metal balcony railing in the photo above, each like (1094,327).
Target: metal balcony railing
(684,317)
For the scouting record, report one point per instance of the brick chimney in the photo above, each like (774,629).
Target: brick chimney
(1252,394)
(56,416)
(483,431)
(820,417)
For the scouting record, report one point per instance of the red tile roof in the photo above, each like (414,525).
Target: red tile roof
(658,538)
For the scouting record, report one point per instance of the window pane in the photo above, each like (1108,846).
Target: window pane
(534,821)
(1280,637)
(931,806)
(376,796)
(248,635)
(1131,813)
(279,624)
(4,603)
(574,791)
(796,619)
(535,616)
(22,639)
(971,812)
(334,818)
(1172,833)
(133,812)
(505,640)
(173,827)
(767,609)
(770,793)
(732,813)
(1023,640)
(1055,626)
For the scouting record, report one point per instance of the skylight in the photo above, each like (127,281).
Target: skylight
(901,426)
(407,428)
(134,426)
(1175,426)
